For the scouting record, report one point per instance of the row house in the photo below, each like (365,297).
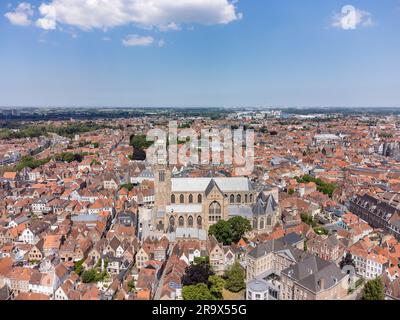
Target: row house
(31,234)
(368,264)
(326,247)
(75,250)
(377,213)
(152,250)
(221,257)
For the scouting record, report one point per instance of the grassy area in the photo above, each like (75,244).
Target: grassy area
(228,295)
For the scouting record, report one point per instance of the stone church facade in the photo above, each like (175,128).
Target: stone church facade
(197,203)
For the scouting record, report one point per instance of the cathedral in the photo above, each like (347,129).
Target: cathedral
(187,207)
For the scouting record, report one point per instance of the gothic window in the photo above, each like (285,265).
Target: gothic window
(262,223)
(199,222)
(238,198)
(181,221)
(215,212)
(173,199)
(172,221)
(199,198)
(251,198)
(181,198)
(190,222)
(255,223)
(161,176)
(190,198)
(245,198)
(232,199)
(269,220)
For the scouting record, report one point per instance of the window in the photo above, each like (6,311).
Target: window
(214,212)
(173,199)
(181,221)
(232,199)
(190,198)
(172,221)
(269,220)
(251,198)
(255,223)
(199,222)
(238,198)
(181,198)
(190,222)
(199,198)
(262,223)
(246,198)
(161,176)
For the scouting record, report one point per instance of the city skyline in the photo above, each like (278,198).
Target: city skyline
(198,54)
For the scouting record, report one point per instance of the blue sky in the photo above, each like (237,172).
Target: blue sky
(197,54)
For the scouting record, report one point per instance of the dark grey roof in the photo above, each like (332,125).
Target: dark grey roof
(315,273)
(211,186)
(292,238)
(266,205)
(279,247)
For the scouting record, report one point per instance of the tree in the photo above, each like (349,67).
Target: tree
(230,231)
(373,290)
(131,285)
(140,142)
(196,274)
(139,155)
(217,286)
(89,276)
(222,232)
(78,268)
(199,291)
(127,186)
(235,278)
(239,227)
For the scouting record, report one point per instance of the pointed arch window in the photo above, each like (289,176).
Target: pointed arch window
(181,198)
(199,222)
(173,200)
(190,222)
(215,212)
(190,198)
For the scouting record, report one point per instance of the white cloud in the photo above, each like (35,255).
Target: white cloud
(21,15)
(170,27)
(134,40)
(161,14)
(49,19)
(161,43)
(352,18)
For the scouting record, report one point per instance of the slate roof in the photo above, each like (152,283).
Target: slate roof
(236,184)
(315,273)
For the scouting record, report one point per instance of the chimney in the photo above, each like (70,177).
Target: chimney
(321,283)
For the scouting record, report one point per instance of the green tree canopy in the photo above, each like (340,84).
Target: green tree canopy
(230,231)
(217,286)
(199,291)
(373,290)
(140,142)
(235,278)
